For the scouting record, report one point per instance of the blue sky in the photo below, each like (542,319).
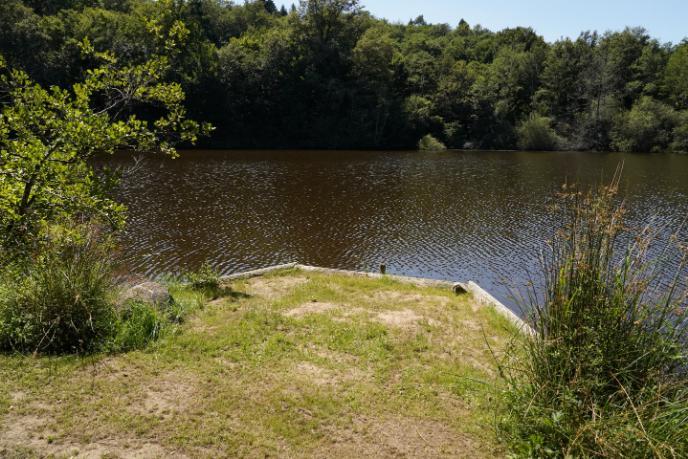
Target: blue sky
(666,20)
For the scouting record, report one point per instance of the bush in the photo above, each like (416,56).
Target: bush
(429,143)
(61,303)
(647,127)
(604,373)
(64,302)
(536,133)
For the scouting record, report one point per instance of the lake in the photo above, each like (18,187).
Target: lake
(455,215)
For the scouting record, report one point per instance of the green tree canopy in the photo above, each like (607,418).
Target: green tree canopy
(676,76)
(48,136)
(327,74)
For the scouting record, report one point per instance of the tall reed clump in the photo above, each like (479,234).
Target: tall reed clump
(61,301)
(604,373)
(64,300)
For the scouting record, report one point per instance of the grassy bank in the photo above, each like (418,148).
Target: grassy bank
(290,364)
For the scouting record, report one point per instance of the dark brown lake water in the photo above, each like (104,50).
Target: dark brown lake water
(479,216)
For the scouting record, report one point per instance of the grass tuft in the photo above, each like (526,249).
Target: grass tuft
(139,324)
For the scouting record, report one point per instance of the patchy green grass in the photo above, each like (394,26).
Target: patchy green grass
(293,364)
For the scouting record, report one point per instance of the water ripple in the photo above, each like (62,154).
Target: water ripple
(455,215)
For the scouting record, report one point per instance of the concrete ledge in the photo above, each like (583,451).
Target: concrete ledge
(419,281)
(257,272)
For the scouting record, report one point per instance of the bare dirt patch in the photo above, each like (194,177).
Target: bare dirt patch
(401,297)
(23,430)
(112,448)
(30,434)
(143,451)
(169,394)
(472,325)
(316,374)
(336,357)
(401,437)
(347,313)
(311,308)
(405,318)
(326,377)
(17,396)
(274,287)
(356,311)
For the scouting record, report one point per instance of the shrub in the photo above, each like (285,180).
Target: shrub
(429,143)
(604,373)
(64,302)
(61,303)
(647,127)
(536,133)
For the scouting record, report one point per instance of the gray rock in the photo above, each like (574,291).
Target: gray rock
(147,292)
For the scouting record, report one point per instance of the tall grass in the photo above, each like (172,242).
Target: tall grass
(62,302)
(65,301)
(605,372)
(139,324)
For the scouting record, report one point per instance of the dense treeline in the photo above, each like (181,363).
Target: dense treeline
(325,73)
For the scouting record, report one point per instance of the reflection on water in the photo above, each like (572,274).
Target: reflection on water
(454,215)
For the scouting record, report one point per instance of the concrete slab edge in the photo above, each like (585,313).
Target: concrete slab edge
(257,272)
(483,296)
(419,281)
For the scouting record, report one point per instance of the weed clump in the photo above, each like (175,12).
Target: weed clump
(60,303)
(139,324)
(605,372)
(204,278)
(207,280)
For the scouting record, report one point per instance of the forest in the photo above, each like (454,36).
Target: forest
(327,74)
